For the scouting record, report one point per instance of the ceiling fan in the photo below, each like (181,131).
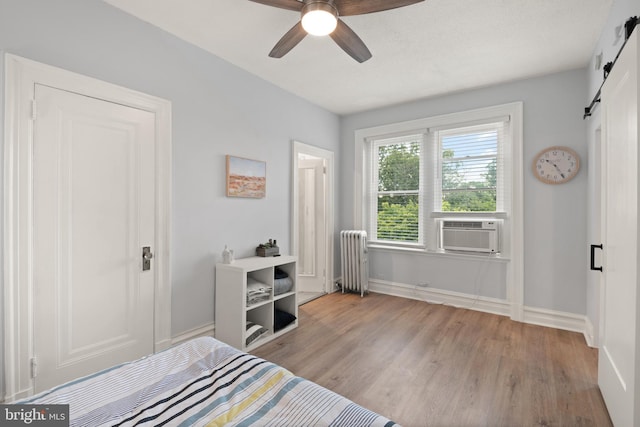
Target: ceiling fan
(322,17)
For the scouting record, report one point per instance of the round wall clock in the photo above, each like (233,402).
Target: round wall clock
(556,165)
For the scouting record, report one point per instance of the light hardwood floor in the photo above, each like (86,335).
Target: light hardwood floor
(423,364)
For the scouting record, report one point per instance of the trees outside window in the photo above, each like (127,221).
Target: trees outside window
(469,168)
(398,213)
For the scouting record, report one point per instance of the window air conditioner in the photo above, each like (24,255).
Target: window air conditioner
(470,235)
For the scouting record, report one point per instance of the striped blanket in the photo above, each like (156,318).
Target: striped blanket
(204,383)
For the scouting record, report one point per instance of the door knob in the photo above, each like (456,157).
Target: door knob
(146,258)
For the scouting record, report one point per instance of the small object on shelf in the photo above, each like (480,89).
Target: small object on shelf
(281,281)
(254,332)
(227,255)
(282,319)
(257,291)
(282,286)
(268,249)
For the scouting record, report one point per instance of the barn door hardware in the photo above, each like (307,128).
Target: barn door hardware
(628,29)
(593,257)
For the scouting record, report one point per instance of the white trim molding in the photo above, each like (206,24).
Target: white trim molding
(21,77)
(535,316)
(438,296)
(589,333)
(556,319)
(207,330)
(328,157)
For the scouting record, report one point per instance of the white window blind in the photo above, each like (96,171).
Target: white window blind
(396,188)
(471,166)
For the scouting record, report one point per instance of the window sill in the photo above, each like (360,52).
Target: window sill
(496,215)
(440,253)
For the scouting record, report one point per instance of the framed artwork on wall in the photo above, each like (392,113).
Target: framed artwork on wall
(246,178)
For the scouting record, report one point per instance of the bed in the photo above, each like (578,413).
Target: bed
(203,382)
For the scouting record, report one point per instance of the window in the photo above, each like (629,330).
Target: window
(469,167)
(396,189)
(416,173)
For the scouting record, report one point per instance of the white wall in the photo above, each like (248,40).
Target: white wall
(218,109)
(608,46)
(555,217)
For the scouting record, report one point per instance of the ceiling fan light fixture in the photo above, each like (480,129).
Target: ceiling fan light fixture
(319,18)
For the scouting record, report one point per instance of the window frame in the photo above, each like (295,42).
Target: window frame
(372,149)
(512,239)
(430,211)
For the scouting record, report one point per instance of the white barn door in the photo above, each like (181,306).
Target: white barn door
(619,355)
(93,211)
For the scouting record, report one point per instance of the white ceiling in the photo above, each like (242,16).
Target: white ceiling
(423,50)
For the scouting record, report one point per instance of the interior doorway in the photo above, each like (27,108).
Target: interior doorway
(312,223)
(88,124)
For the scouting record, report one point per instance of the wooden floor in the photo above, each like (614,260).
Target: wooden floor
(423,364)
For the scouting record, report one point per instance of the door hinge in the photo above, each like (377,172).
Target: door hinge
(33,109)
(34,367)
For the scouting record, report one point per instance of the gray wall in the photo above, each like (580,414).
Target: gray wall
(555,217)
(218,109)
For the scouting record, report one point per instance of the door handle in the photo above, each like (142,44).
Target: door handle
(593,257)
(146,258)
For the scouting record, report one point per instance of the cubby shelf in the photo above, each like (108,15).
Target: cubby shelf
(231,310)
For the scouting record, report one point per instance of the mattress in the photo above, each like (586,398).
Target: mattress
(204,382)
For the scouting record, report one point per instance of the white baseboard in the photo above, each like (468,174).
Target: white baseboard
(589,334)
(437,296)
(20,394)
(555,319)
(163,344)
(536,316)
(202,331)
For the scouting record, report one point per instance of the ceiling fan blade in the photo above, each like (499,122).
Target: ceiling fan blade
(349,41)
(288,41)
(282,4)
(360,7)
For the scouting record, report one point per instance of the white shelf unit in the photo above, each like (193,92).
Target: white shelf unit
(231,310)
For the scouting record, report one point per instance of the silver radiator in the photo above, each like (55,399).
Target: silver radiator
(355,266)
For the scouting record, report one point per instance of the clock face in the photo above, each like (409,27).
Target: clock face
(556,165)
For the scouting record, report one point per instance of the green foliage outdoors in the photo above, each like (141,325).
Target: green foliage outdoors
(399,167)
(398,220)
(399,170)
(474,196)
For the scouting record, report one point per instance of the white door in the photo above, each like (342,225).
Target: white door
(312,223)
(618,355)
(93,211)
